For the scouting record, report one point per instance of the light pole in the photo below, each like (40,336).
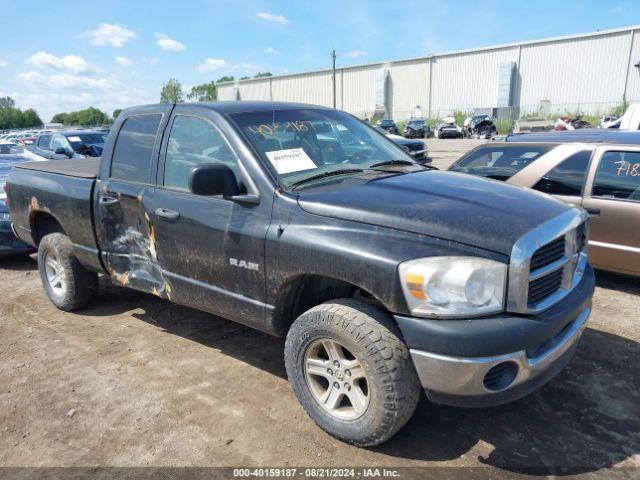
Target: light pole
(333,58)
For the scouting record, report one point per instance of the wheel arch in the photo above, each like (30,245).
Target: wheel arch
(304,291)
(43,223)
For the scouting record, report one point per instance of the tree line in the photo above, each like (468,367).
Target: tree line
(172,91)
(88,116)
(12,117)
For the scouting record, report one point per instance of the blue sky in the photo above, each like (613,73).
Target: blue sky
(67,55)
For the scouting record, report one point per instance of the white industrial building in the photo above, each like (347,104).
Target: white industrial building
(590,73)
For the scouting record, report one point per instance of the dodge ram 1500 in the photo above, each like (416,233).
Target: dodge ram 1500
(383,275)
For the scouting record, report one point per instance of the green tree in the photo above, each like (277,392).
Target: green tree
(7,102)
(205,92)
(226,78)
(245,78)
(171,92)
(116,113)
(31,118)
(263,74)
(88,116)
(12,117)
(92,116)
(59,118)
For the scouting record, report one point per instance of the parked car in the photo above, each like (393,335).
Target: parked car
(383,275)
(389,125)
(448,128)
(602,178)
(479,126)
(10,155)
(610,121)
(416,148)
(67,144)
(416,129)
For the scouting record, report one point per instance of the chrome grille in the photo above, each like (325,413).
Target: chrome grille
(544,286)
(548,254)
(547,263)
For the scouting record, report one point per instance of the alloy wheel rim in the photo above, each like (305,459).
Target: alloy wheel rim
(336,379)
(55,274)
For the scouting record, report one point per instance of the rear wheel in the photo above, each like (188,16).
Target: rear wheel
(68,284)
(351,371)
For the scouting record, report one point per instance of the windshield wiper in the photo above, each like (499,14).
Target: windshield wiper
(319,176)
(400,162)
(393,162)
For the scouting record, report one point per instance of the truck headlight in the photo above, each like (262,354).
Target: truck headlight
(453,286)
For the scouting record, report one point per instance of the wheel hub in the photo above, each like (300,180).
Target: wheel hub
(55,274)
(336,379)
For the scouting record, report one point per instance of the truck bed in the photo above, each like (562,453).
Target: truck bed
(80,168)
(44,194)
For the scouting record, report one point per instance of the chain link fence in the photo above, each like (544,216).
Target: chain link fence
(507,118)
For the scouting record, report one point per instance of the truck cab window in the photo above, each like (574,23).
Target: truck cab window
(44,141)
(58,142)
(193,141)
(134,148)
(618,176)
(568,177)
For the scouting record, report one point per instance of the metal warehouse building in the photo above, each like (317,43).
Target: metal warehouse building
(590,73)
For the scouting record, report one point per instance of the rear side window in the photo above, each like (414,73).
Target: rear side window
(499,162)
(134,147)
(618,176)
(44,141)
(567,178)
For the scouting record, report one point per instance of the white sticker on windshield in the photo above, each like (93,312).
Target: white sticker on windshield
(291,160)
(74,139)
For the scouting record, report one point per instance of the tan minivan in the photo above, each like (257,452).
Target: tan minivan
(604,179)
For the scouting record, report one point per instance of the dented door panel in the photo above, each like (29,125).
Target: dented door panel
(126,234)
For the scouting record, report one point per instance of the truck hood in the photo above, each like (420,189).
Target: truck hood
(451,206)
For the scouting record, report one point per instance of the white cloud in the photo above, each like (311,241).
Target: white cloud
(64,81)
(355,53)
(64,92)
(271,17)
(271,50)
(69,63)
(123,61)
(110,34)
(151,60)
(3,64)
(213,64)
(169,44)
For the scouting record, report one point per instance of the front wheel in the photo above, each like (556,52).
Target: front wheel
(351,371)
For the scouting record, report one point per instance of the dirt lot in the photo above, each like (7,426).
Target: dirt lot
(137,381)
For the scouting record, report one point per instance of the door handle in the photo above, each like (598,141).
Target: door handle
(594,212)
(167,214)
(108,201)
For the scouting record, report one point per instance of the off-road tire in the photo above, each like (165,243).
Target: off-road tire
(81,284)
(375,340)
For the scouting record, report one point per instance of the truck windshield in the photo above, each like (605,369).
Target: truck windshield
(302,143)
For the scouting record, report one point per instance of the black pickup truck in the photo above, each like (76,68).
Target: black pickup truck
(385,276)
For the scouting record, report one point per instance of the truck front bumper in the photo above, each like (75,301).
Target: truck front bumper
(491,361)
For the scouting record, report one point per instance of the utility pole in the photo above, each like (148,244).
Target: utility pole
(333,58)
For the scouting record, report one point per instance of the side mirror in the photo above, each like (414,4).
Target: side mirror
(60,151)
(213,179)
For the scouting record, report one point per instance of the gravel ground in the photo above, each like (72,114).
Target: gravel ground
(135,381)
